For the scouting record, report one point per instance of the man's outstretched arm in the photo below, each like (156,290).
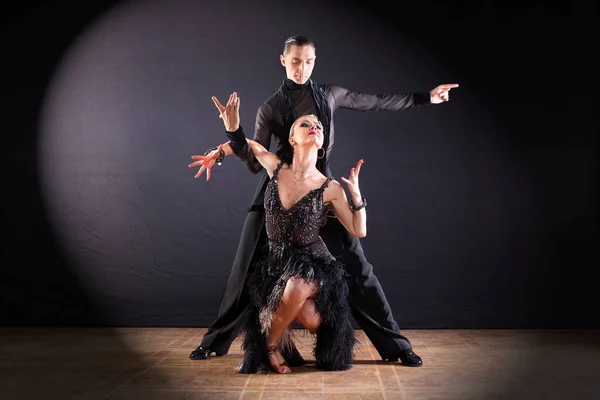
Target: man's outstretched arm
(349,99)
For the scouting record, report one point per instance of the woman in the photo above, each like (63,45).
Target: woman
(300,280)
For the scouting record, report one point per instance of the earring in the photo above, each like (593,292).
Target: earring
(322,155)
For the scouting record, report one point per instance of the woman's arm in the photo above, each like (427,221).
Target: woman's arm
(352,215)
(267,159)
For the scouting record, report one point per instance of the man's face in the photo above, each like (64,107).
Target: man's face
(299,62)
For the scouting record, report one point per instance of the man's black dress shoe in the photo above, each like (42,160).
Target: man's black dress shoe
(202,353)
(408,358)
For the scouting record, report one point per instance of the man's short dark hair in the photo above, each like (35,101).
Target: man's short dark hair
(297,40)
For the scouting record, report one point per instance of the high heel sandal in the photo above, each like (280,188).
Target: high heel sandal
(278,368)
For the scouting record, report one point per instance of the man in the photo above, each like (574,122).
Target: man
(297,96)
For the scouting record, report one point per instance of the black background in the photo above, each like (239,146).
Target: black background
(482,210)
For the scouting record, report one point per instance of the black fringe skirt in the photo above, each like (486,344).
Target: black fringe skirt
(335,337)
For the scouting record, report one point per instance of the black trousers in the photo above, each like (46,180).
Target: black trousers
(367,301)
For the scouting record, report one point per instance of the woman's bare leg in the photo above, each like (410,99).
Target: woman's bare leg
(309,317)
(293,299)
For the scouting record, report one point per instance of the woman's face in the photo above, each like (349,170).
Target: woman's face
(307,130)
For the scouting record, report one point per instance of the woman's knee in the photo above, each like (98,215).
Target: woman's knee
(309,317)
(297,289)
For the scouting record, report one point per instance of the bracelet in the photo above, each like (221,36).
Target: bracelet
(360,207)
(221,157)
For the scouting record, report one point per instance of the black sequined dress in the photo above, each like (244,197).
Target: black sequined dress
(296,250)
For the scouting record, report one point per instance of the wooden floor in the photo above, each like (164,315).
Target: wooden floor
(153,363)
